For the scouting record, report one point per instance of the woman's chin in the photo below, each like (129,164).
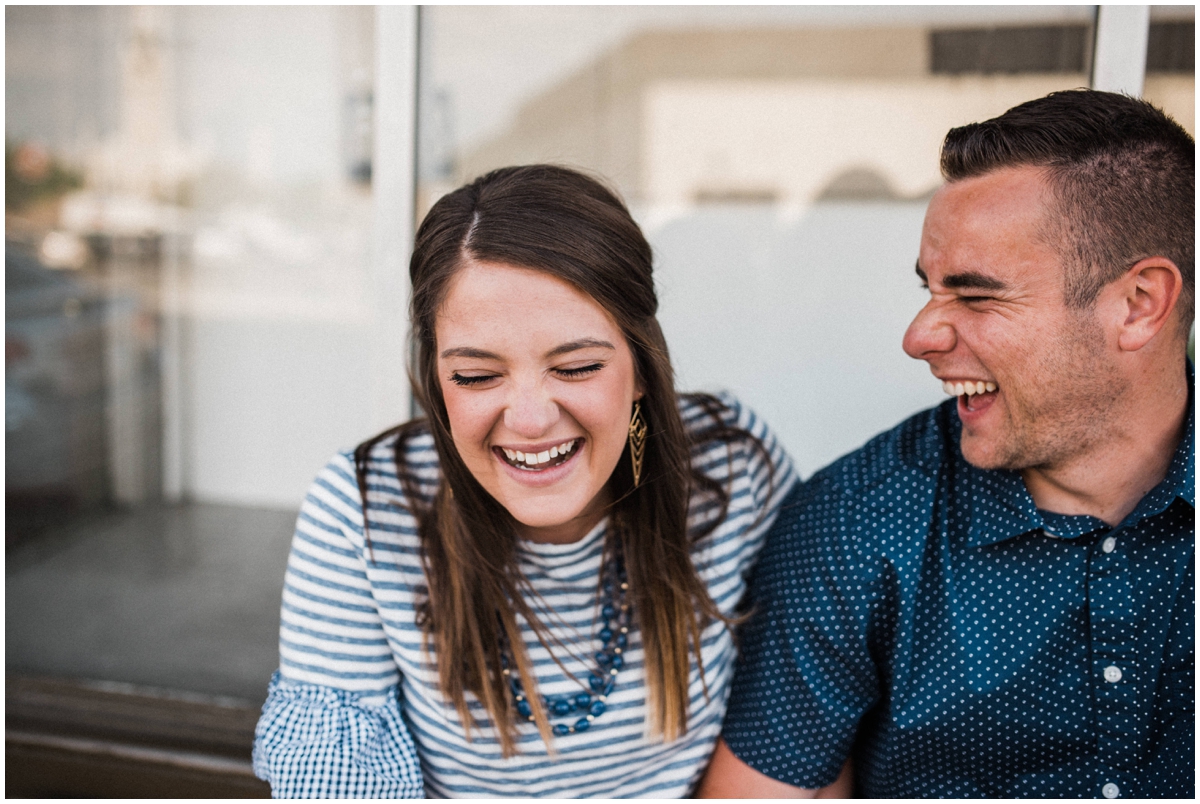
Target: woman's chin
(557,520)
(558,504)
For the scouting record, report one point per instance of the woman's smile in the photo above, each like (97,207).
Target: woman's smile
(537,458)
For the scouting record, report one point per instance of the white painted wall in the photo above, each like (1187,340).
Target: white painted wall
(804,324)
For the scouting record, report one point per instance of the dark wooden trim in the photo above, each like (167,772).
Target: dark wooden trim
(80,738)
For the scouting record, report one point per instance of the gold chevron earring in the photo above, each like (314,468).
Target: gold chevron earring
(637,441)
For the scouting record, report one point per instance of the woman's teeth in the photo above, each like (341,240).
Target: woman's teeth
(968,388)
(528,460)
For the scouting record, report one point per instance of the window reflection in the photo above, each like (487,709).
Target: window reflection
(778,158)
(188,197)
(189,310)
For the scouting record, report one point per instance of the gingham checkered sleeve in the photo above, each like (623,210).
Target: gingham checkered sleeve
(332,725)
(321,742)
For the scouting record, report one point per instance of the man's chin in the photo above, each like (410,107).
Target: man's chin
(985,453)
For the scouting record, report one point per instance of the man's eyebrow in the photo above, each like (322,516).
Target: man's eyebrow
(966,279)
(971,279)
(582,343)
(470,351)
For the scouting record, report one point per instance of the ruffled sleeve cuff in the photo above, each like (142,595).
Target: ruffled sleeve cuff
(320,742)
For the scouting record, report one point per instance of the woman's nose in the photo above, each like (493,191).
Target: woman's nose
(929,334)
(531,412)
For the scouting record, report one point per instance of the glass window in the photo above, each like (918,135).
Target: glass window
(1171,63)
(778,158)
(187,331)
(192,313)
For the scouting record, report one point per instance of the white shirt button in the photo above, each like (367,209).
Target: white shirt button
(1112,674)
(1109,545)
(1110,790)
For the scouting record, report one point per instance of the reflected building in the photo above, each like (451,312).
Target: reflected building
(683,117)
(780,172)
(187,339)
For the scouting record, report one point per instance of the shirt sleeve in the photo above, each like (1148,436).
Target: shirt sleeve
(320,742)
(331,724)
(805,675)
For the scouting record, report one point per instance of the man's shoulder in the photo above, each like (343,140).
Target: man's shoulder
(911,452)
(870,502)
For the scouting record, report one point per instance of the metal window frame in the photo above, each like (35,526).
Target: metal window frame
(1119,56)
(393,191)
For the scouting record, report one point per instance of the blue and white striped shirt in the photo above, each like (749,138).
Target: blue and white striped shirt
(356,708)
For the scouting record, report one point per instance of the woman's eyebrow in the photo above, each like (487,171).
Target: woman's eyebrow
(562,349)
(470,351)
(582,343)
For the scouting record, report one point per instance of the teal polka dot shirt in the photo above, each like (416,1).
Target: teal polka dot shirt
(925,618)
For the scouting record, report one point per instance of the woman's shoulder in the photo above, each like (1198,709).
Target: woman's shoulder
(721,418)
(732,444)
(390,478)
(400,460)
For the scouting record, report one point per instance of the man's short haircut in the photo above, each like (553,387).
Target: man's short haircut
(1124,175)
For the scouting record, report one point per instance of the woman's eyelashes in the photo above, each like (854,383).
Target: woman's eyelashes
(571,373)
(467,380)
(580,371)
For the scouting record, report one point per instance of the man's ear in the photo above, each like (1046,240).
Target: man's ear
(1149,291)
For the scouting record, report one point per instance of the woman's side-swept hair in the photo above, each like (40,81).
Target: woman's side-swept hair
(570,226)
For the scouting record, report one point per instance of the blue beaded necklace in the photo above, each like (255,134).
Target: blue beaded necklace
(613,636)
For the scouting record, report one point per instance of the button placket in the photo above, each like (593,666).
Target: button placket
(1114,663)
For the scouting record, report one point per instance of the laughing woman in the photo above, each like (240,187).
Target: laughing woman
(532,591)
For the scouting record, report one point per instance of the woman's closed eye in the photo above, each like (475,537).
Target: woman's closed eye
(577,372)
(468,380)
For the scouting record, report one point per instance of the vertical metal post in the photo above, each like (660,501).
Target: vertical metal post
(393,182)
(1119,59)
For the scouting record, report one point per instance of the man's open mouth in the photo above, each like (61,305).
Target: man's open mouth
(535,462)
(971,393)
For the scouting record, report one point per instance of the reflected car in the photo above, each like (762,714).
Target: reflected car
(54,392)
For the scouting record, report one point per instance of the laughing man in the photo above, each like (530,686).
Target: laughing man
(996,598)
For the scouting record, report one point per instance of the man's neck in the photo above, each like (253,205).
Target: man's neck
(1110,479)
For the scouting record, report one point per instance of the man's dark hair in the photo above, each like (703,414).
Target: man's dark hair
(1123,172)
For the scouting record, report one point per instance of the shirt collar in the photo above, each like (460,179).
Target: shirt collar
(1002,508)
(1000,504)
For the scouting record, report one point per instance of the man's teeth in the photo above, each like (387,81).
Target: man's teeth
(533,459)
(968,388)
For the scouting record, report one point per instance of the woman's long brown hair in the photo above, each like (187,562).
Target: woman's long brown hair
(570,226)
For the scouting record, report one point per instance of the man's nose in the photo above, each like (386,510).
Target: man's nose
(929,334)
(531,411)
